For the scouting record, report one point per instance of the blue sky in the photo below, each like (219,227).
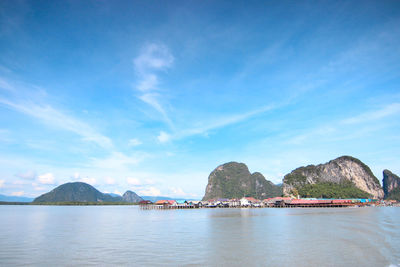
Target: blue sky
(151,96)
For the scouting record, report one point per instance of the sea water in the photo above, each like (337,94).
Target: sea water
(129,236)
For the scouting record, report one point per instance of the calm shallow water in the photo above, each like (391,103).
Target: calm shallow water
(126,235)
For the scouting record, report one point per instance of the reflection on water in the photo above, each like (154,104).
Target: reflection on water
(126,235)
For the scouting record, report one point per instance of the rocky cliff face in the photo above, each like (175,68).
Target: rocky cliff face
(131,197)
(233,180)
(391,183)
(339,170)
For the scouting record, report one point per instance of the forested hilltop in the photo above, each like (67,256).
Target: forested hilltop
(234,180)
(343,177)
(391,185)
(79,192)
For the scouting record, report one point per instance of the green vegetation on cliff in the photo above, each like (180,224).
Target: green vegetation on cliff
(79,203)
(76,192)
(131,197)
(295,178)
(342,177)
(391,185)
(332,190)
(233,180)
(394,194)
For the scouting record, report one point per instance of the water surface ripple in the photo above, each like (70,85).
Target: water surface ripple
(126,235)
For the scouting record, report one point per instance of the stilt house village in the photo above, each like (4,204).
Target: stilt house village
(275,202)
(342,182)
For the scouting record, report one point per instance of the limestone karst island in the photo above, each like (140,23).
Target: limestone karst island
(343,182)
(199,133)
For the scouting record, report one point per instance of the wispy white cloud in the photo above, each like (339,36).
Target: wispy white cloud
(5,136)
(149,182)
(152,99)
(116,160)
(58,119)
(212,125)
(2,183)
(18,193)
(349,128)
(20,182)
(5,85)
(109,180)
(388,110)
(178,192)
(149,82)
(134,142)
(163,137)
(153,58)
(47,178)
(313,133)
(225,121)
(150,191)
(89,180)
(39,188)
(133,181)
(28,175)
(139,182)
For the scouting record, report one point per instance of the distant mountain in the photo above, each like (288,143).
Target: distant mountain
(131,197)
(155,198)
(15,199)
(113,195)
(391,185)
(76,192)
(234,180)
(344,177)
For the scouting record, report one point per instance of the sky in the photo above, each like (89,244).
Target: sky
(152,96)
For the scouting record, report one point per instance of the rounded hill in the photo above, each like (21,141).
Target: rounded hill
(76,192)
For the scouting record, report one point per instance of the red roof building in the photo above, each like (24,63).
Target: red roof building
(162,202)
(252,199)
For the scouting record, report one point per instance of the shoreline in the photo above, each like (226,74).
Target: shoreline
(160,207)
(68,203)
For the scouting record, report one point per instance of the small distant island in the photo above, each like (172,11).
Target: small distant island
(231,184)
(82,192)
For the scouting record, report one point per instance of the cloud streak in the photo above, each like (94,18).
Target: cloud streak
(151,191)
(58,119)
(389,110)
(348,128)
(47,178)
(213,125)
(117,161)
(5,85)
(29,175)
(152,100)
(134,142)
(152,59)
